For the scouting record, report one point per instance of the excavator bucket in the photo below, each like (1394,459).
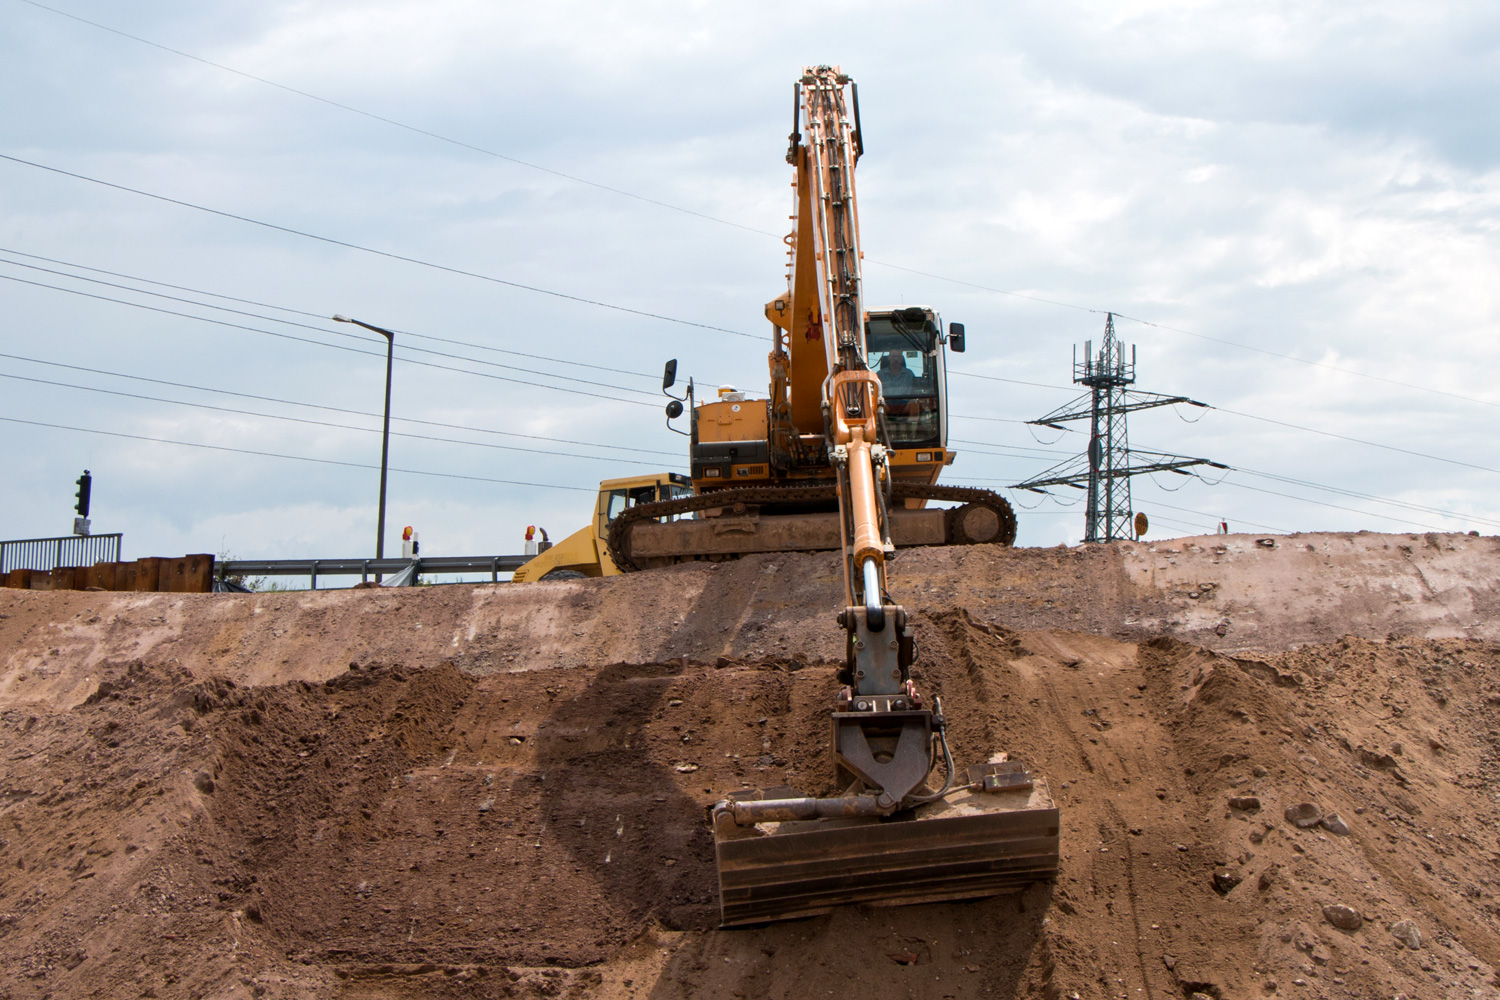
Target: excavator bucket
(997,836)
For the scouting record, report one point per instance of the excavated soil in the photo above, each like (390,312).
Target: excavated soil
(196,800)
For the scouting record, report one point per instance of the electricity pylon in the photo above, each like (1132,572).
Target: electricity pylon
(1105,469)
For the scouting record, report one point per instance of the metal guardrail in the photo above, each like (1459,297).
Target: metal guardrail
(363,568)
(47,554)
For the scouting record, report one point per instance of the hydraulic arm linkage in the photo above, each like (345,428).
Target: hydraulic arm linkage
(782,855)
(883,736)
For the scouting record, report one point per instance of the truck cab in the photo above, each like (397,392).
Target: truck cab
(585,552)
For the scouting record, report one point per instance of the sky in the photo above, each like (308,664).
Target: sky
(1292,208)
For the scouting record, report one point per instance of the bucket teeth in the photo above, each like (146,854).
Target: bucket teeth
(972,845)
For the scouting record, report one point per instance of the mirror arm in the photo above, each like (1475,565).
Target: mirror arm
(677,405)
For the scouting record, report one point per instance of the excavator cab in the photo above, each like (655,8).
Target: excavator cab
(905,350)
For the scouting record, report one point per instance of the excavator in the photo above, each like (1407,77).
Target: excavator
(844,455)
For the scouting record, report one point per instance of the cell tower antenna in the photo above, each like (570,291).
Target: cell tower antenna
(1105,469)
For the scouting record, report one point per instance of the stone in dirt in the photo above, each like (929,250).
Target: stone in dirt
(1335,825)
(1407,932)
(1304,815)
(1245,803)
(1224,881)
(1345,918)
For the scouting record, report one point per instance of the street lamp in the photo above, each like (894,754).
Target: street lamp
(385,436)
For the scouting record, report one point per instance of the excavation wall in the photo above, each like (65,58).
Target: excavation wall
(500,791)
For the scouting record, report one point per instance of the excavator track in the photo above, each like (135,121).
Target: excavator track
(984,516)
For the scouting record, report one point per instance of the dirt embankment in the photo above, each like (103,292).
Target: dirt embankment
(255,820)
(1226,592)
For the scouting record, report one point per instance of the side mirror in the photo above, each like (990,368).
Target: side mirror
(674,409)
(669,375)
(956,338)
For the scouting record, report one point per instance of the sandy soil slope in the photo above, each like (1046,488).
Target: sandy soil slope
(492,791)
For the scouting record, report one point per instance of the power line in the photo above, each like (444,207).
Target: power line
(333,409)
(295,458)
(400,124)
(319,343)
(1311,485)
(541,373)
(1189,333)
(995,420)
(1012,381)
(562,295)
(1368,496)
(371,250)
(1355,440)
(727,222)
(1181,525)
(1201,513)
(324,423)
(303,312)
(994,453)
(1314,364)
(1324,503)
(355,337)
(1070,511)
(317,329)
(1016,447)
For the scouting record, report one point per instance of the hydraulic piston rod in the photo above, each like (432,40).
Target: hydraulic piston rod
(874,610)
(751,812)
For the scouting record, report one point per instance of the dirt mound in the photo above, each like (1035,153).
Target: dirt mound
(407,830)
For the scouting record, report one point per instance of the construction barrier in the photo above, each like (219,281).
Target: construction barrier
(192,574)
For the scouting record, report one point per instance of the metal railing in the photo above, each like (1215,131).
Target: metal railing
(363,568)
(49,553)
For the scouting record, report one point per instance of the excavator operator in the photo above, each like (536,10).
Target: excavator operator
(895,378)
(908,396)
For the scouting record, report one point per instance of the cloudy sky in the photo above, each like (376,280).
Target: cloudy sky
(1294,204)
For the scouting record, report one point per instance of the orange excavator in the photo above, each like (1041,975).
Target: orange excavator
(845,456)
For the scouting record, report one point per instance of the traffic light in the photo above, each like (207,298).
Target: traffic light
(85,485)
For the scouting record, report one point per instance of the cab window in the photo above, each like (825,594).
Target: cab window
(904,356)
(618,501)
(622,500)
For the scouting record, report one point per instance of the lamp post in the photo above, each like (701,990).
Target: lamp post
(385,435)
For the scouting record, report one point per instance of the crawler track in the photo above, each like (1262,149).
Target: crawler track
(985,516)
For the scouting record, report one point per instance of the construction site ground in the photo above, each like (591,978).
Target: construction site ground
(500,791)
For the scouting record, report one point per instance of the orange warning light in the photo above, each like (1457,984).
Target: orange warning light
(406,533)
(530,531)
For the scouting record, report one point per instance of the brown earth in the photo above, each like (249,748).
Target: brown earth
(501,791)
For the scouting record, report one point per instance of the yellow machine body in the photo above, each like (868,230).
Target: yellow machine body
(586,551)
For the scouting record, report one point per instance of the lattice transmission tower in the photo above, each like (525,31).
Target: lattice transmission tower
(1104,470)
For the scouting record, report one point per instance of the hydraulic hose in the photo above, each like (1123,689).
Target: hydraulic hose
(948,764)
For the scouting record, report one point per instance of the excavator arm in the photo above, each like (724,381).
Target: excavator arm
(781,855)
(851,394)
